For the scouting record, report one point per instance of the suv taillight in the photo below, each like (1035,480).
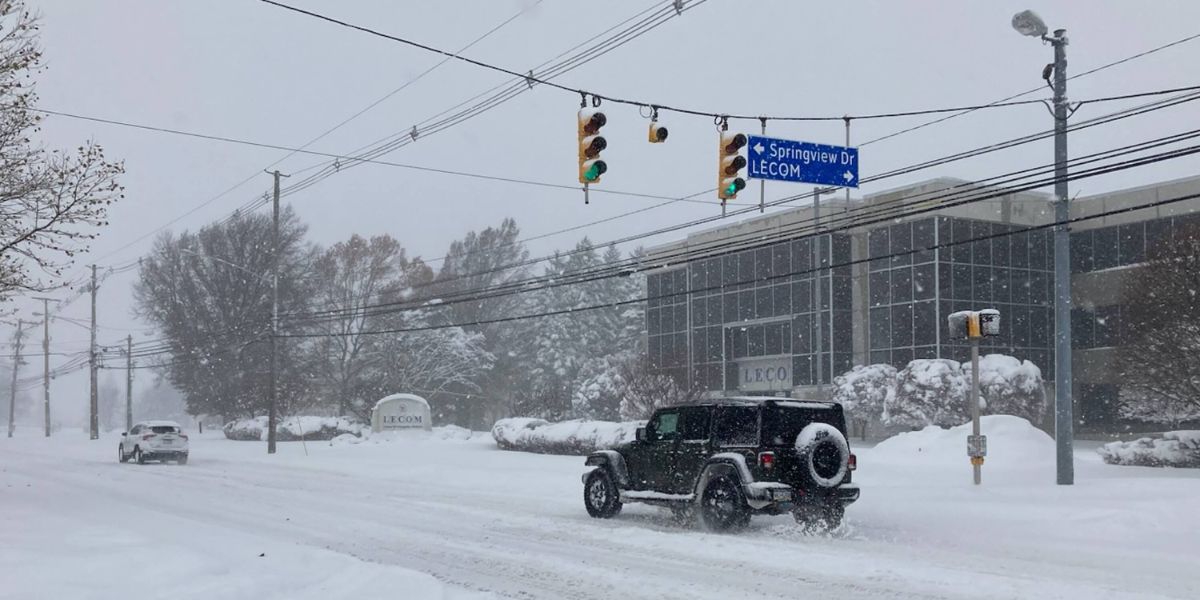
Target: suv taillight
(183,435)
(147,436)
(852,462)
(766,460)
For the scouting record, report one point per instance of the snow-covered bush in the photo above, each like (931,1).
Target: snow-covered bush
(1151,407)
(928,392)
(862,392)
(1173,449)
(290,429)
(1010,386)
(569,437)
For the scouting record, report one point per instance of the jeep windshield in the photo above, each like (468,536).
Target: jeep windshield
(782,421)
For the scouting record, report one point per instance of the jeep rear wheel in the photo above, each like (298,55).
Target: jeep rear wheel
(723,507)
(600,495)
(820,519)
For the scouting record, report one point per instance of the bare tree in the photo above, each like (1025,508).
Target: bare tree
(347,278)
(209,295)
(50,201)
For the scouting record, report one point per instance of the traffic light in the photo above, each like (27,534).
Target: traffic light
(730,161)
(658,133)
(591,143)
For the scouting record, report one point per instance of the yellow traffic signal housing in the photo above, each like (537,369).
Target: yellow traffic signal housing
(657,134)
(591,143)
(729,162)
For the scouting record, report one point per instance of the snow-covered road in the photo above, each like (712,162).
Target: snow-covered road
(355,521)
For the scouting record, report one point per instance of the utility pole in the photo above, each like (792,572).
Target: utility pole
(46,357)
(1028,23)
(271,412)
(94,404)
(12,398)
(129,382)
(1064,424)
(976,465)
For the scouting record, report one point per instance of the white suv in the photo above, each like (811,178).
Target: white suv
(154,440)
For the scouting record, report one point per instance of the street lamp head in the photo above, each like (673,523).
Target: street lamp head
(1029,23)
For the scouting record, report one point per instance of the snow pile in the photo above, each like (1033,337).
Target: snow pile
(290,429)
(444,432)
(1174,449)
(1010,440)
(569,437)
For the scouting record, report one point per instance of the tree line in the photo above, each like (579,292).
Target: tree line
(208,293)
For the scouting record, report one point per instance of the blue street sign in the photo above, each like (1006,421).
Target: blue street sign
(802,162)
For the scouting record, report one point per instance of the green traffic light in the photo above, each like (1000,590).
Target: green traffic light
(731,189)
(592,174)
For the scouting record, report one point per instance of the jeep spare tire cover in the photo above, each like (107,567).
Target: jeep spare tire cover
(824,452)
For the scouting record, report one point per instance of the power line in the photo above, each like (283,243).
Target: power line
(925,210)
(639,300)
(689,254)
(1032,90)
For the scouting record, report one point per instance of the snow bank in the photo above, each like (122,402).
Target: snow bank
(569,437)
(1174,449)
(1010,440)
(444,432)
(293,428)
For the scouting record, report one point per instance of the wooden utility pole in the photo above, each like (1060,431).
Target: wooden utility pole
(271,412)
(46,356)
(129,383)
(95,400)
(16,364)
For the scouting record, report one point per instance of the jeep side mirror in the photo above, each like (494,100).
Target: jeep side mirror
(641,434)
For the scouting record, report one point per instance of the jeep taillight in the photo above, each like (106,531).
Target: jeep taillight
(147,436)
(183,435)
(852,462)
(766,460)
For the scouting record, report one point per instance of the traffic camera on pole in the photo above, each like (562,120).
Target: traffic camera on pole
(591,143)
(729,162)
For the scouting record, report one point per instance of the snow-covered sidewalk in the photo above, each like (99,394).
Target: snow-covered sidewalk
(356,521)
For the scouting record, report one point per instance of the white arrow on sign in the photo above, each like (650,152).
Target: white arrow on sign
(848,176)
(758,148)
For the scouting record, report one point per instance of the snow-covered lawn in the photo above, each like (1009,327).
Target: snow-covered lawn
(444,517)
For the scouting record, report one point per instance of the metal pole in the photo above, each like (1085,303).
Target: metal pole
(12,398)
(94,404)
(847,121)
(762,183)
(975,466)
(1063,397)
(816,296)
(128,383)
(274,316)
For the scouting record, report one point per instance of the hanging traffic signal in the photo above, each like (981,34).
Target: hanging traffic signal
(591,143)
(730,161)
(658,133)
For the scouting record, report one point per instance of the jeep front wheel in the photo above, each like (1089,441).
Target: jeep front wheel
(600,495)
(723,507)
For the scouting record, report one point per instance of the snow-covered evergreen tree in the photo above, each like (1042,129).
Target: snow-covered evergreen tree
(862,392)
(928,392)
(1009,386)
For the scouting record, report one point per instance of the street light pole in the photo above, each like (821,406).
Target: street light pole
(1064,422)
(1028,23)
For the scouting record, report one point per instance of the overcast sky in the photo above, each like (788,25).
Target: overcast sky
(245,69)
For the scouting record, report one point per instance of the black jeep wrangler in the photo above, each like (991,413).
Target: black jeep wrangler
(725,460)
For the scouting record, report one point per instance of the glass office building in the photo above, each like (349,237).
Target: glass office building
(745,318)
